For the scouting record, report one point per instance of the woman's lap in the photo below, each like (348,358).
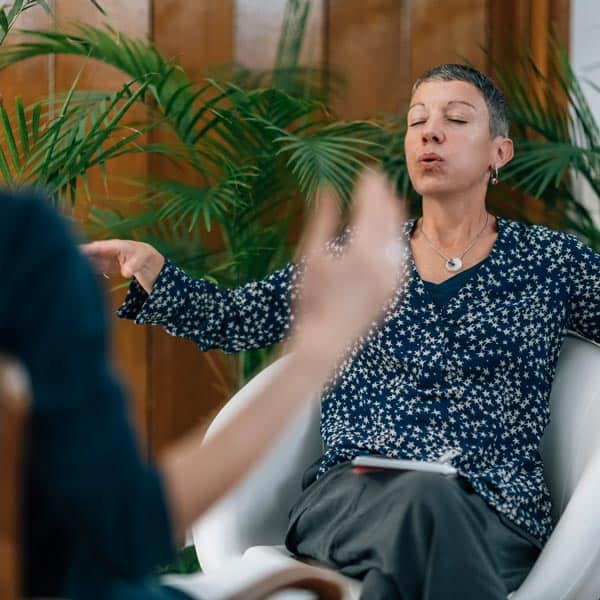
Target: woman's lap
(418,532)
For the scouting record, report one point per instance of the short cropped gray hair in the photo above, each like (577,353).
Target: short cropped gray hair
(494,98)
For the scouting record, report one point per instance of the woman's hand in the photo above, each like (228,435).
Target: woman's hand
(128,258)
(341,297)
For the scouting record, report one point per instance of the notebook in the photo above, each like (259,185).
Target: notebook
(400,464)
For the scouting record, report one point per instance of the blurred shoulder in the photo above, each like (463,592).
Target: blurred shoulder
(26,215)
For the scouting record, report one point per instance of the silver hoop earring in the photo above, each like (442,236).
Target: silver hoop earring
(494,177)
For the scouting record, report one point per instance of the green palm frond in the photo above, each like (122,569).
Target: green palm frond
(331,155)
(170,87)
(539,165)
(54,145)
(259,148)
(10,13)
(185,203)
(557,140)
(316,83)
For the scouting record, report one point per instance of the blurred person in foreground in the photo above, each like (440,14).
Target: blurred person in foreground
(460,368)
(97,519)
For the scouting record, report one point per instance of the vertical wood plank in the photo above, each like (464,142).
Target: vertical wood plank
(29,79)
(540,21)
(257,27)
(198,35)
(132,18)
(508,30)
(181,392)
(560,21)
(521,26)
(448,32)
(365,45)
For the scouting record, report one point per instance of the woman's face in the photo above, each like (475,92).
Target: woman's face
(448,144)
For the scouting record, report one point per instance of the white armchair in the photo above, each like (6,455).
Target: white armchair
(252,520)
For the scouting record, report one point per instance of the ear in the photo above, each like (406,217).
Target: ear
(502,153)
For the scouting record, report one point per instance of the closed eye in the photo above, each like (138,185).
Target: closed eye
(416,123)
(461,121)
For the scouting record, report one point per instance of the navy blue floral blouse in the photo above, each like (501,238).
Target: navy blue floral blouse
(473,375)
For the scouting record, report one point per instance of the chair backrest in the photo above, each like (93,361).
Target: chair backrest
(14,406)
(569,565)
(572,437)
(267,492)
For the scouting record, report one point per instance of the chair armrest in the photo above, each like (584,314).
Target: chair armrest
(352,587)
(569,565)
(244,579)
(256,511)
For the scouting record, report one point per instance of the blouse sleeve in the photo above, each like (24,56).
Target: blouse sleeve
(584,297)
(254,315)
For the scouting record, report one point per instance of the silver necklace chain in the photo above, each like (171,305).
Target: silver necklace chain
(455,263)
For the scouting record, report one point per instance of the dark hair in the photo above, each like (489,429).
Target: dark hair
(494,98)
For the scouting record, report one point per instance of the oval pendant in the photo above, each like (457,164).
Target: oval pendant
(454,264)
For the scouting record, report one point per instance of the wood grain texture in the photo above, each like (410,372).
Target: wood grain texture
(518,27)
(366,46)
(447,32)
(29,79)
(508,29)
(198,36)
(129,342)
(257,27)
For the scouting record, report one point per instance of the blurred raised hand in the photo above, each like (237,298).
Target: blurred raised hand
(340,299)
(342,296)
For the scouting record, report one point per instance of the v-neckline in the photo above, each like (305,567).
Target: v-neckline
(482,272)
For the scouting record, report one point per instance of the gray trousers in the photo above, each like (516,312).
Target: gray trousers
(410,536)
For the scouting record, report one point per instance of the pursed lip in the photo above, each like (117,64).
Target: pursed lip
(429,158)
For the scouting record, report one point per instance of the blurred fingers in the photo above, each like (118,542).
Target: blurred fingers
(322,224)
(378,212)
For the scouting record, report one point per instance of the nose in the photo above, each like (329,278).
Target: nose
(432,132)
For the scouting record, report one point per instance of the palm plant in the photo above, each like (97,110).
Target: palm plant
(557,143)
(259,152)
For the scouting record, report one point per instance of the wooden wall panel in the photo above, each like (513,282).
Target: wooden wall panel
(526,26)
(366,44)
(257,27)
(446,32)
(133,19)
(198,35)
(29,79)
(181,393)
(515,25)
(508,28)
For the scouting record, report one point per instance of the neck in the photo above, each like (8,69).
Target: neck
(452,222)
